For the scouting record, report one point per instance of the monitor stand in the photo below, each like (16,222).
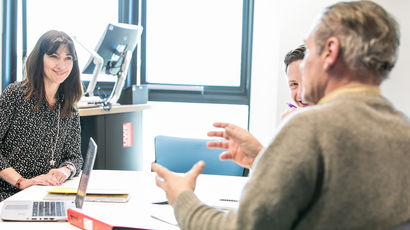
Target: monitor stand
(119,83)
(92,101)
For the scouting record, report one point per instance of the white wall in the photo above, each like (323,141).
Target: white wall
(396,88)
(265,65)
(282,26)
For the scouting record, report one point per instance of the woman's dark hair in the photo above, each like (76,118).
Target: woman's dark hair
(70,91)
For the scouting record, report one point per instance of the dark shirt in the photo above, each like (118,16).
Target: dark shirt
(28,137)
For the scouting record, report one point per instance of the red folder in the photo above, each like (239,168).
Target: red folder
(83,221)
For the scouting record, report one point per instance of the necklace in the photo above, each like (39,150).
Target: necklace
(52,161)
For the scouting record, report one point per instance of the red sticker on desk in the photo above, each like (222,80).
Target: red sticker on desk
(127,134)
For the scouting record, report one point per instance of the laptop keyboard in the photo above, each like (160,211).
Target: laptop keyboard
(48,208)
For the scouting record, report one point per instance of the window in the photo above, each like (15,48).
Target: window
(197,51)
(191,51)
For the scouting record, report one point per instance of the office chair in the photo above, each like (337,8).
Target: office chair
(180,154)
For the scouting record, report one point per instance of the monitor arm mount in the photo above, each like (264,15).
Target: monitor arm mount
(121,76)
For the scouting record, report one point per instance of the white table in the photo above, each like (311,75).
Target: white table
(138,210)
(114,109)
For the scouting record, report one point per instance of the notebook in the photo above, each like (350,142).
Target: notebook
(93,195)
(56,210)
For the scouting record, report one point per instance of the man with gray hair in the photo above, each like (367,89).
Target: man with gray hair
(349,168)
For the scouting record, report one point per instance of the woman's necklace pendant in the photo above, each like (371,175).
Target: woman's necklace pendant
(52,162)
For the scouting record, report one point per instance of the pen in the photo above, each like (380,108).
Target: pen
(291,106)
(229,200)
(161,202)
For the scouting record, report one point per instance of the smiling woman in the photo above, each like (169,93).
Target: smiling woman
(54,55)
(39,125)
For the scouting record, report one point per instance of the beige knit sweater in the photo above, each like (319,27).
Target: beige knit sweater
(344,164)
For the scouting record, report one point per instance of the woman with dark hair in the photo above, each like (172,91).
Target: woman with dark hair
(39,123)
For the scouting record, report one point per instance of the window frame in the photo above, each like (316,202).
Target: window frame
(128,12)
(9,43)
(203,93)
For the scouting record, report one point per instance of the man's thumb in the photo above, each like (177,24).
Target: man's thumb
(197,169)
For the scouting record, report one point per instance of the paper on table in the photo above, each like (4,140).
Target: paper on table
(164,213)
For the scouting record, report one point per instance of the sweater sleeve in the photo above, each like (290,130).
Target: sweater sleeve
(281,189)
(72,145)
(7,108)
(192,214)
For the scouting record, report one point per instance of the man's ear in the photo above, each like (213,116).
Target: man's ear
(330,52)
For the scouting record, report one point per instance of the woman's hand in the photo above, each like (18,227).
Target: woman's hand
(61,174)
(44,179)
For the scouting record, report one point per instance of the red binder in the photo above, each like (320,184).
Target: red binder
(83,221)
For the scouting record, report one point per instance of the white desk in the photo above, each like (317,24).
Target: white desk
(137,211)
(115,109)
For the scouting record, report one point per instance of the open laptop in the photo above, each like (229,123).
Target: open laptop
(56,210)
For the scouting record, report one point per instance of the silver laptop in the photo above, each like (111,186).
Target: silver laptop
(56,210)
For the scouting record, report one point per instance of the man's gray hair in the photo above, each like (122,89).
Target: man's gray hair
(369,37)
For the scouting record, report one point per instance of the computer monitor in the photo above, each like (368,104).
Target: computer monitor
(115,48)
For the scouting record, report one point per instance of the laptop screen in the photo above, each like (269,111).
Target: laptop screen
(87,168)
